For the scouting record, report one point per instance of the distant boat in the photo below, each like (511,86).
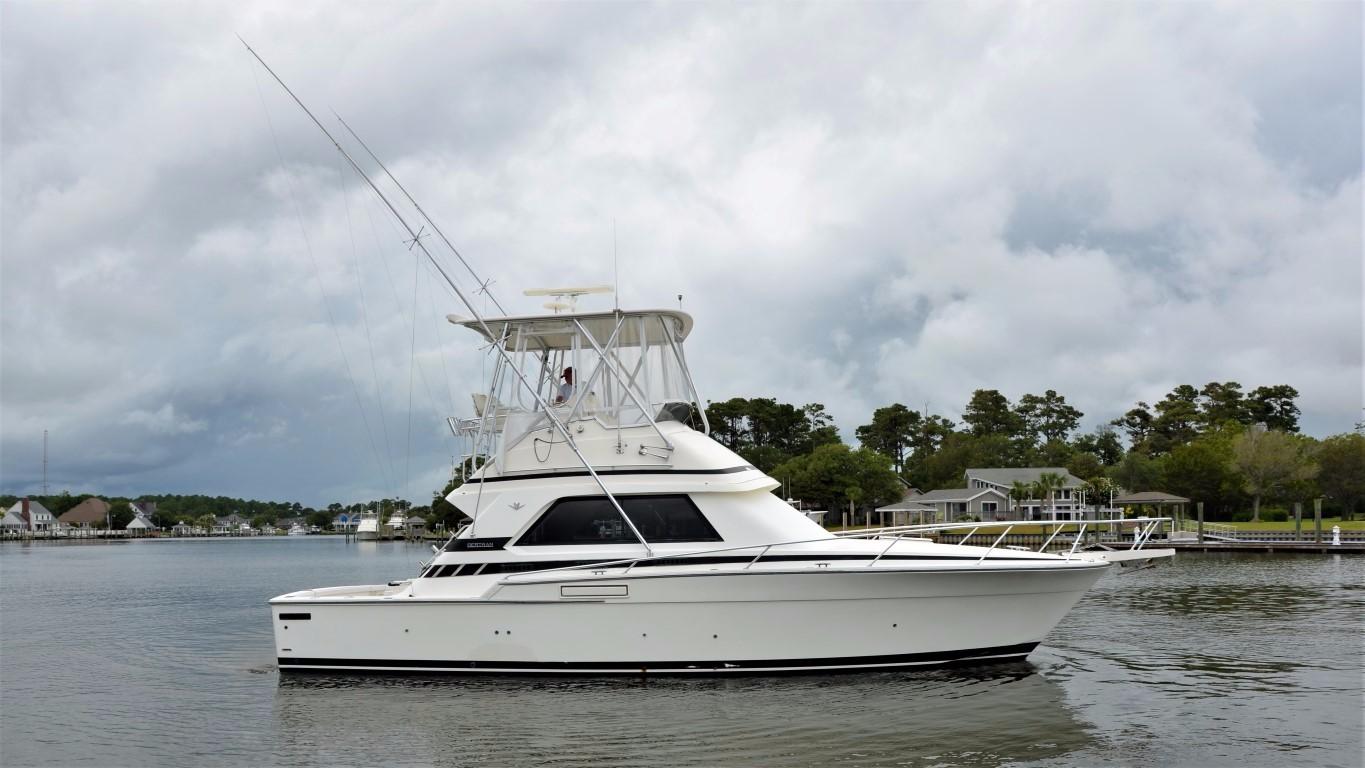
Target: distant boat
(368,529)
(297,529)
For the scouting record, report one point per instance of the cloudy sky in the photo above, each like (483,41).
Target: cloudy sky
(861,204)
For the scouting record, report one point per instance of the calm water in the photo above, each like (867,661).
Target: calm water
(159,653)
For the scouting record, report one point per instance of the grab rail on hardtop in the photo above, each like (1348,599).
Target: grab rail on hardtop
(1148,527)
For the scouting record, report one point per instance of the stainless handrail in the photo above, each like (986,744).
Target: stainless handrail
(1080,536)
(631,562)
(1055,531)
(997,541)
(1145,534)
(1057,526)
(758,556)
(894,541)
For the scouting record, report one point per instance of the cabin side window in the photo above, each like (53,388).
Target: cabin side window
(663,519)
(593,520)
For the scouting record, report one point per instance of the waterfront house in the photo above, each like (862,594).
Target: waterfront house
(28,516)
(12,525)
(346,522)
(954,504)
(1065,502)
(285,523)
(139,525)
(232,525)
(89,514)
(183,528)
(910,510)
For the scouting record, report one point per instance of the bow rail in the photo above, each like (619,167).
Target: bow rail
(1146,527)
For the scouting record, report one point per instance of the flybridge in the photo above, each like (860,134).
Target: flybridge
(620,369)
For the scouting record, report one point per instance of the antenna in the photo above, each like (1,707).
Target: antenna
(615,265)
(680,302)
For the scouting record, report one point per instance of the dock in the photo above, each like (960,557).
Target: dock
(1308,547)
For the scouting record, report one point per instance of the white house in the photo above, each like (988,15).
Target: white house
(233,525)
(11,524)
(28,516)
(139,525)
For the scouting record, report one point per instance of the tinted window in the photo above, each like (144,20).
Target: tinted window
(579,521)
(668,518)
(593,520)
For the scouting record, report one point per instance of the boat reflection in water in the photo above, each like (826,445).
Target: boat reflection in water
(963,716)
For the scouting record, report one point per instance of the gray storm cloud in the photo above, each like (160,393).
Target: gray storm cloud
(861,204)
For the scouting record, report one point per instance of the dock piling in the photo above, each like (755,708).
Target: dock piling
(1298,521)
(1317,521)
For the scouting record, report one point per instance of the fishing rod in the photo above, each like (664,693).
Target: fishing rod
(483,285)
(544,406)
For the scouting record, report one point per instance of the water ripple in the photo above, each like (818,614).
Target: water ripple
(159,653)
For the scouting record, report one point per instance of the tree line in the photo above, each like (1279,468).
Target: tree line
(1232,449)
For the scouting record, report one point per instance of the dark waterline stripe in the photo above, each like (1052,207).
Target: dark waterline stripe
(1001,653)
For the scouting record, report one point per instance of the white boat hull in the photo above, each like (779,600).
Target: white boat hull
(767,622)
(368,530)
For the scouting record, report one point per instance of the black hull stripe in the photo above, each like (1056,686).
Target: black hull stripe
(606,472)
(1000,653)
(521,566)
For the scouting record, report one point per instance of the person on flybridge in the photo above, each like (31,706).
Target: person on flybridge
(566,300)
(565,389)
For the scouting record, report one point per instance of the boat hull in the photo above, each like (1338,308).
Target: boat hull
(687,625)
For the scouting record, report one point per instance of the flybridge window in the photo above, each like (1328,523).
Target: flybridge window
(593,520)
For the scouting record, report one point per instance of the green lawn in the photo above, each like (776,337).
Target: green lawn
(1288,525)
(1327,523)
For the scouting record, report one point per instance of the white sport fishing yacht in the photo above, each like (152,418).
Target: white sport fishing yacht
(611,535)
(397,525)
(368,527)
